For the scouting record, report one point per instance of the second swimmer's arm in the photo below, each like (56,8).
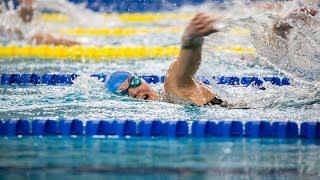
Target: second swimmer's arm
(26,11)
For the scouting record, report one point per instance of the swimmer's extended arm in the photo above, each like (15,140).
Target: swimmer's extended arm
(180,79)
(48,39)
(189,58)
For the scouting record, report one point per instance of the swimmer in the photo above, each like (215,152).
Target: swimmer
(49,39)
(289,41)
(180,86)
(24,8)
(25,13)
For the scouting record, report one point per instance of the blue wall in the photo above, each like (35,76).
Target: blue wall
(138,5)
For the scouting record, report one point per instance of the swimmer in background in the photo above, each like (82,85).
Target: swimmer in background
(289,40)
(284,12)
(25,12)
(180,86)
(282,28)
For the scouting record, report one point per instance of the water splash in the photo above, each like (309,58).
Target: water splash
(297,55)
(288,57)
(286,54)
(88,99)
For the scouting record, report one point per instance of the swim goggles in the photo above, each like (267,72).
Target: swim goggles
(134,81)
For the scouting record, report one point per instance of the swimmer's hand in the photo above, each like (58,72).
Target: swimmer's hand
(281,29)
(26,14)
(201,25)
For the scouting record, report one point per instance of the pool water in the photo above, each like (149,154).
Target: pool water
(87,99)
(99,157)
(157,158)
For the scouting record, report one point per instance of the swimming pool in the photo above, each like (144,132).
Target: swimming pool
(83,157)
(158,158)
(86,98)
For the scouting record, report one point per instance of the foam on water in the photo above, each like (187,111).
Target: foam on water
(299,54)
(282,57)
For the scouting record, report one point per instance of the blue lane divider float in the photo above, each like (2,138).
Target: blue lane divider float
(229,129)
(120,128)
(67,79)
(170,129)
(149,128)
(123,128)
(44,127)
(29,79)
(256,81)
(53,79)
(99,128)
(14,127)
(174,129)
(221,129)
(70,127)
(285,129)
(203,129)
(310,130)
(258,129)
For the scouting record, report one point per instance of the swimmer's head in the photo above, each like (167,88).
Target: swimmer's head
(124,82)
(116,79)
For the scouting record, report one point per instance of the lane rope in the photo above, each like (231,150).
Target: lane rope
(149,17)
(53,17)
(67,79)
(92,53)
(102,53)
(154,128)
(124,17)
(80,31)
(117,31)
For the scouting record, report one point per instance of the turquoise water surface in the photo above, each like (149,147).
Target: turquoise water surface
(157,158)
(99,157)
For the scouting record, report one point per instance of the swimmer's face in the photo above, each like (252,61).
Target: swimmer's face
(143,91)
